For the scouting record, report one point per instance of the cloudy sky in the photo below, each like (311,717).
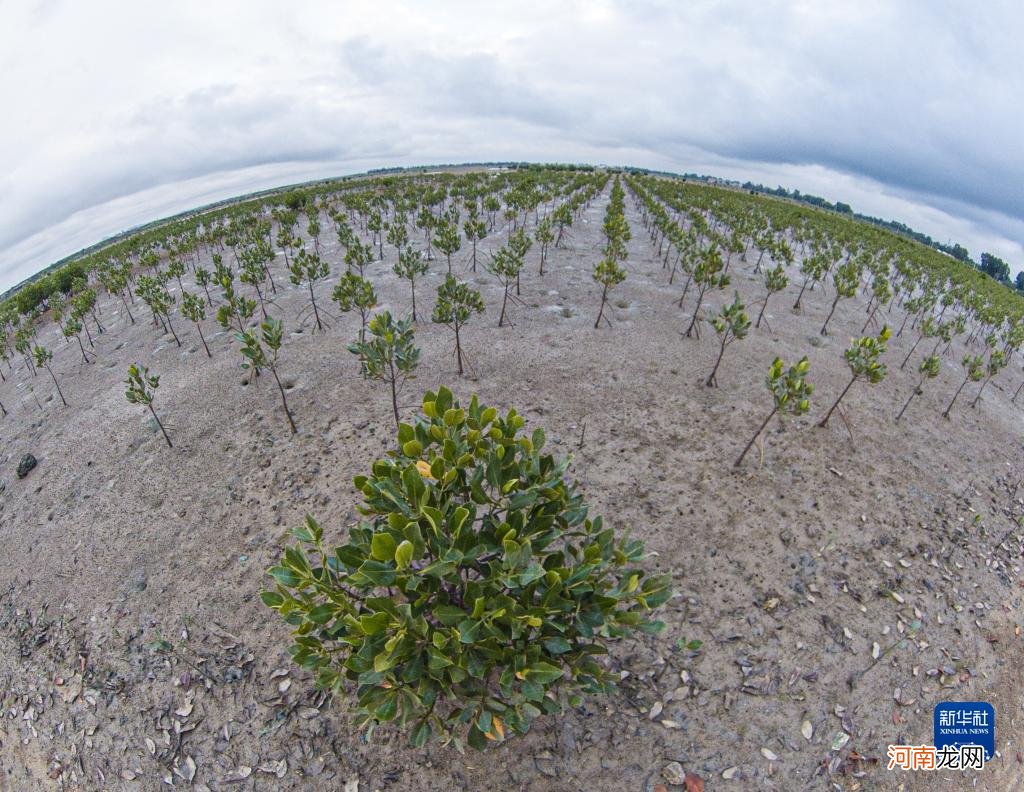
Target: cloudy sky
(121,112)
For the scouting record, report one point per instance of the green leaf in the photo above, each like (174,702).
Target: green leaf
(543,673)
(403,554)
(285,577)
(557,645)
(374,624)
(272,599)
(383,546)
(420,734)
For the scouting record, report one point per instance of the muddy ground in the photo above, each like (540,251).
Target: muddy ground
(135,653)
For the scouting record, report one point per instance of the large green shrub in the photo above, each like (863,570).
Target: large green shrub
(477,594)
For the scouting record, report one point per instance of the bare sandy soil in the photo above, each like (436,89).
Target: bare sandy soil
(135,653)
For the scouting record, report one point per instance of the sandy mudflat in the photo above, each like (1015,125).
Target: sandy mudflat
(115,543)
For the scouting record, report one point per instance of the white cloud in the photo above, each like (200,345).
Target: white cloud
(128,111)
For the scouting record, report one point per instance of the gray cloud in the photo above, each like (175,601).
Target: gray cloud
(906,110)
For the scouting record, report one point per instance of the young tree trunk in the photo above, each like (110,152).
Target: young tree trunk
(158,423)
(686,289)
(955,395)
(981,390)
(209,299)
(129,310)
(412,283)
(458,349)
(824,327)
(312,299)
(600,312)
(693,322)
(171,326)
(203,339)
(394,392)
(800,296)
(764,305)
(82,347)
(57,384)
(905,318)
(911,352)
(711,381)
(760,429)
(913,393)
(504,300)
(263,307)
(284,401)
(824,421)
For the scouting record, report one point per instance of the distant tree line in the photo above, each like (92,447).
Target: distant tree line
(991,265)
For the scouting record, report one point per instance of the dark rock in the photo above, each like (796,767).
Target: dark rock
(25,466)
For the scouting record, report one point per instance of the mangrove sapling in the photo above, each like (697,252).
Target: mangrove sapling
(398,234)
(475,229)
(491,206)
(24,336)
(354,292)
(436,592)
(236,308)
(996,361)
(881,292)
(204,278)
(162,301)
(192,308)
(455,306)
(505,266)
(82,305)
(410,265)
(358,256)
(790,392)
(974,371)
(42,357)
(253,274)
(707,275)
(775,280)
(862,357)
(175,269)
(254,350)
(846,278)
(313,229)
(426,221)
(73,327)
(375,225)
(732,324)
(142,389)
(447,238)
(562,218)
(309,267)
(609,274)
(519,244)
(929,369)
(390,354)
